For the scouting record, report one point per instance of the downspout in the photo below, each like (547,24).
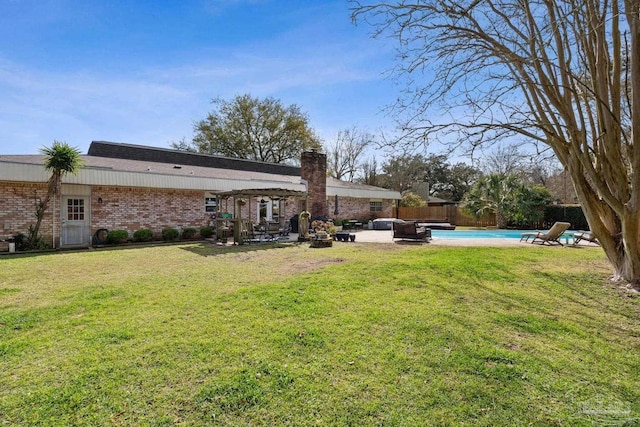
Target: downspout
(306,198)
(53,226)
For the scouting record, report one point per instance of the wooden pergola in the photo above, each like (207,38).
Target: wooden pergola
(242,227)
(272,193)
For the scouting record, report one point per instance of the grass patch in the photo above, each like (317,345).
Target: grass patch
(359,334)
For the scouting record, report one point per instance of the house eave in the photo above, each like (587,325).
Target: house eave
(26,172)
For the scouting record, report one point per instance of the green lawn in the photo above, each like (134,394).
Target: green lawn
(354,335)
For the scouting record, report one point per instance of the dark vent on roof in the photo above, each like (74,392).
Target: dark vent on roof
(162,155)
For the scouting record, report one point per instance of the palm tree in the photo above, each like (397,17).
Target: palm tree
(506,196)
(495,193)
(60,159)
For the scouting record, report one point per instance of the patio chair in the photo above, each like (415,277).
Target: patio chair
(549,237)
(587,236)
(286,228)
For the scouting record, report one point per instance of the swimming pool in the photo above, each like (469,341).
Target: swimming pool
(480,234)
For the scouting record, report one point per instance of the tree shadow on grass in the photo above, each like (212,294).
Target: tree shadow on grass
(407,242)
(203,248)
(207,249)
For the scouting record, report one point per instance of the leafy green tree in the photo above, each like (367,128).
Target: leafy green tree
(460,180)
(445,180)
(411,200)
(60,160)
(561,74)
(436,173)
(254,129)
(448,181)
(531,204)
(400,172)
(508,198)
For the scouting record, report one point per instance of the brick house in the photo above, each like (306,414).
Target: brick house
(124,186)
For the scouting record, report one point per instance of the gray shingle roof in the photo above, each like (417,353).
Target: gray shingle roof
(165,155)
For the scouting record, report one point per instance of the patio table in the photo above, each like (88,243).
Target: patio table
(567,236)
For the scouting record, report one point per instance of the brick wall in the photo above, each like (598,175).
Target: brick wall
(314,170)
(134,208)
(18,209)
(353,208)
(129,208)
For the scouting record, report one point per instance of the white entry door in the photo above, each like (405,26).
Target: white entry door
(75,221)
(268,209)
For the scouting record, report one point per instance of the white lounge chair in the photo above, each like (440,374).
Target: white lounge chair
(587,236)
(547,237)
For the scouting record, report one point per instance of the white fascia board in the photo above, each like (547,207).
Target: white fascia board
(22,172)
(363,193)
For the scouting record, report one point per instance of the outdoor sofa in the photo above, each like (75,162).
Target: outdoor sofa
(410,230)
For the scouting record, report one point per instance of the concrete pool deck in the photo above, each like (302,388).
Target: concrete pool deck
(386,236)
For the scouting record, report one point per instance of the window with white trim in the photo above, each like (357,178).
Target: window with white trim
(375,206)
(210,203)
(275,210)
(75,209)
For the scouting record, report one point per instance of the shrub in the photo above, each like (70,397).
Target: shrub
(411,200)
(22,243)
(337,222)
(26,242)
(571,214)
(143,235)
(117,236)
(170,234)
(188,232)
(206,232)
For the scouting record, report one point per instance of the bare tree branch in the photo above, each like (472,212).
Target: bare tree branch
(562,73)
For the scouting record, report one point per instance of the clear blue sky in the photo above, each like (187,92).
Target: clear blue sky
(142,72)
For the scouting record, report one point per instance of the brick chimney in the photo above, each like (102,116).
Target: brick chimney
(314,170)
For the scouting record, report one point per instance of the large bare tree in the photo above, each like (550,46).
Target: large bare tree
(563,73)
(344,152)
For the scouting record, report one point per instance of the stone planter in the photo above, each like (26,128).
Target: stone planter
(321,243)
(322,235)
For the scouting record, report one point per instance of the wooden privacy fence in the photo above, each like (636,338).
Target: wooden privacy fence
(448,213)
(466,220)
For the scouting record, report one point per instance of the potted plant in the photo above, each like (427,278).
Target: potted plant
(321,228)
(332,229)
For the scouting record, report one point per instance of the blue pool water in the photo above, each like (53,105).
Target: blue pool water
(479,234)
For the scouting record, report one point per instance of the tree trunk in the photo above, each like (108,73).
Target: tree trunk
(621,251)
(617,233)
(41,206)
(501,220)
